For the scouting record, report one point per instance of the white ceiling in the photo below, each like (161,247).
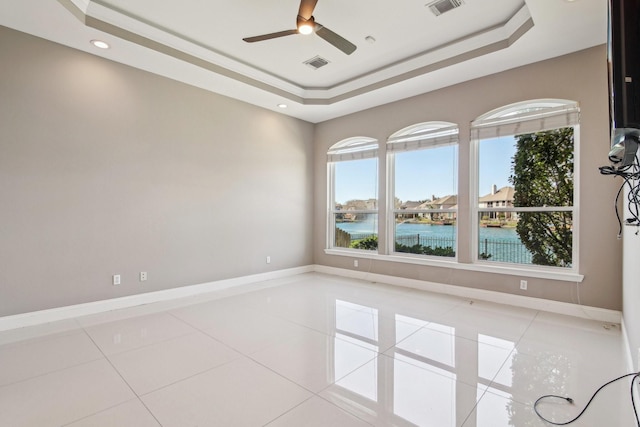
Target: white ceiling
(200,43)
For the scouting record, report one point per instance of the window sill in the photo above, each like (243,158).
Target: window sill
(514,270)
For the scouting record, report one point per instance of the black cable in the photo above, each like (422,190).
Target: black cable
(615,205)
(635,375)
(628,173)
(633,202)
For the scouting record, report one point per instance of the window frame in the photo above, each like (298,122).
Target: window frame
(464,260)
(551,114)
(418,137)
(349,149)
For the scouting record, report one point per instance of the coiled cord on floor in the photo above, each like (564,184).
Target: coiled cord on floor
(635,375)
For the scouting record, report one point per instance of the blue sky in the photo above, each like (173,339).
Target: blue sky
(423,173)
(495,162)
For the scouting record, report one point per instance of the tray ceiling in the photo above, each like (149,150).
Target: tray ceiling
(403,49)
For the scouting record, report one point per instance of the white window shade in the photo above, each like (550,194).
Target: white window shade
(353,149)
(530,120)
(423,138)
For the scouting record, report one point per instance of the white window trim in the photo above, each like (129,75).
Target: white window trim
(365,148)
(430,135)
(520,270)
(474,175)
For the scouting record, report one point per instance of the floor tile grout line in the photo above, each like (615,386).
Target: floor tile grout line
(344,410)
(304,387)
(105,358)
(318,396)
(124,380)
(255,309)
(168,311)
(219,366)
(426,369)
(228,362)
(209,335)
(35,339)
(289,410)
(323,333)
(194,332)
(55,371)
(136,398)
(515,347)
(75,332)
(141,346)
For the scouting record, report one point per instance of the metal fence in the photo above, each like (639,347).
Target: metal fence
(504,251)
(432,242)
(488,249)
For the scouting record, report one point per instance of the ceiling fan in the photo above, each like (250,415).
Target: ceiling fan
(306,24)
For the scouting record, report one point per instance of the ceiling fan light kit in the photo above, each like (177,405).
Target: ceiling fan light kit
(306,24)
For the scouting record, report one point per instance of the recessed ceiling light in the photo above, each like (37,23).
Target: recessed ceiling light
(282,105)
(100,44)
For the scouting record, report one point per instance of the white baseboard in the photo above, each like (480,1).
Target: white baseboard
(586,312)
(68,312)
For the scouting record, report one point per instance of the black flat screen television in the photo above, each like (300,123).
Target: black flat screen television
(624,79)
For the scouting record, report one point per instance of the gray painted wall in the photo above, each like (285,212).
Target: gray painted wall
(105,169)
(582,77)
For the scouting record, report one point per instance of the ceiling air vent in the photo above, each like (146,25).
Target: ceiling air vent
(439,7)
(316,62)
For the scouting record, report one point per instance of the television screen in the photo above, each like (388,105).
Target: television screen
(624,63)
(624,79)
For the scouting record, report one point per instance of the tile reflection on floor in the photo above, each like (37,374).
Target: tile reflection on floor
(312,350)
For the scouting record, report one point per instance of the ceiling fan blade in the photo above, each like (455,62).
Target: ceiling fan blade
(338,41)
(270,36)
(306,8)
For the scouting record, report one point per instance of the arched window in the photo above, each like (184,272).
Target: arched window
(423,192)
(353,194)
(524,157)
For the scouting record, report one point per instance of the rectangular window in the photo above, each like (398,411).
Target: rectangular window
(423,188)
(353,194)
(525,203)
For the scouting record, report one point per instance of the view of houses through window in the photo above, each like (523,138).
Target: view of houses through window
(423,184)
(524,192)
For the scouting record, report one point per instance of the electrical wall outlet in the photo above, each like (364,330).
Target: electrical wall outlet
(355,262)
(143,276)
(268,260)
(523,285)
(116,279)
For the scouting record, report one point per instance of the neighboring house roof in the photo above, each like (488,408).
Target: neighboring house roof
(440,202)
(356,205)
(503,194)
(449,201)
(409,204)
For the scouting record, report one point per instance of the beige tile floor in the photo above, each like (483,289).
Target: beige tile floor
(312,350)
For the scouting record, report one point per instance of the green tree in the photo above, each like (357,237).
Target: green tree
(543,176)
(369,243)
(446,251)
